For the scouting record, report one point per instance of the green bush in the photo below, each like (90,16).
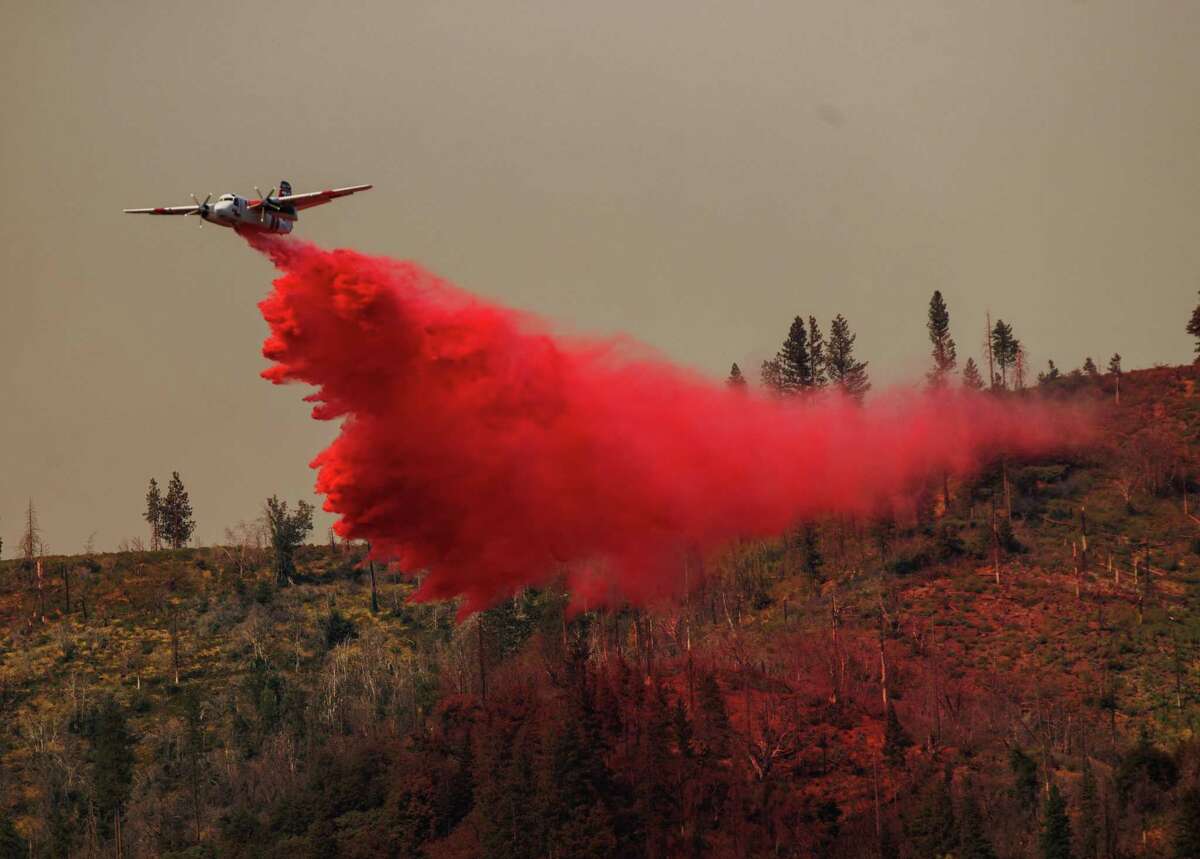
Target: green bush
(264,592)
(337,628)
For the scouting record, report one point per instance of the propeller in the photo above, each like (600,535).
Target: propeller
(202,209)
(267,202)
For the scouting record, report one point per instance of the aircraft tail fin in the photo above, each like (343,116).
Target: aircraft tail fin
(285,188)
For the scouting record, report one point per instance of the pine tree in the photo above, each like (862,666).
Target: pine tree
(1025,783)
(811,553)
(1089,814)
(895,739)
(1193,328)
(1144,776)
(509,829)
(816,354)
(1005,348)
(12,845)
(112,760)
(288,531)
(795,366)
(771,375)
(932,830)
(1052,374)
(154,514)
(945,355)
(736,380)
(177,524)
(658,796)
(716,732)
(1090,368)
(1055,840)
(845,373)
(1114,367)
(973,842)
(1186,843)
(970,376)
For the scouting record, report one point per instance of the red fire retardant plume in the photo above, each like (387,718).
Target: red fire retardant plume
(481,448)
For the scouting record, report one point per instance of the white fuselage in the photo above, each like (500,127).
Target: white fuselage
(233,211)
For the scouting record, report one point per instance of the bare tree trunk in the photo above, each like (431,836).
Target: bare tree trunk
(374,590)
(839,663)
(883,675)
(1075,560)
(878,816)
(175,642)
(687,611)
(1083,543)
(1007,489)
(482,660)
(987,339)
(995,543)
(1178,675)
(41,601)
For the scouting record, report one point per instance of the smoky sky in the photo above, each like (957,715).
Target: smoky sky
(690,174)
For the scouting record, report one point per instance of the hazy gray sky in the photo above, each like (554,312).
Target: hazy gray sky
(693,174)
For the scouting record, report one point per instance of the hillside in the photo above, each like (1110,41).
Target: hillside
(913,685)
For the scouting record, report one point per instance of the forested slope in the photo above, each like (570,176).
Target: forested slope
(990,668)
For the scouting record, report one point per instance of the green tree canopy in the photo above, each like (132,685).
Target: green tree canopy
(154,513)
(816,354)
(771,375)
(795,365)
(1193,328)
(895,739)
(970,376)
(177,524)
(945,354)
(845,373)
(1055,840)
(1005,348)
(288,531)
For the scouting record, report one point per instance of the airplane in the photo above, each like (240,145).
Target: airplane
(267,214)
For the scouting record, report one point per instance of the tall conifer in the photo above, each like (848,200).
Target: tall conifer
(818,376)
(795,366)
(970,376)
(1193,328)
(845,373)
(177,524)
(945,354)
(154,513)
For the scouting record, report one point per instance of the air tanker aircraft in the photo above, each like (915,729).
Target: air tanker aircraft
(267,214)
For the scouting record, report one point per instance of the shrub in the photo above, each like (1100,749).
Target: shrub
(337,628)
(264,592)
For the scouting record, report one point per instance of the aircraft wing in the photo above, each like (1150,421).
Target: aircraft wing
(318,198)
(164,210)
